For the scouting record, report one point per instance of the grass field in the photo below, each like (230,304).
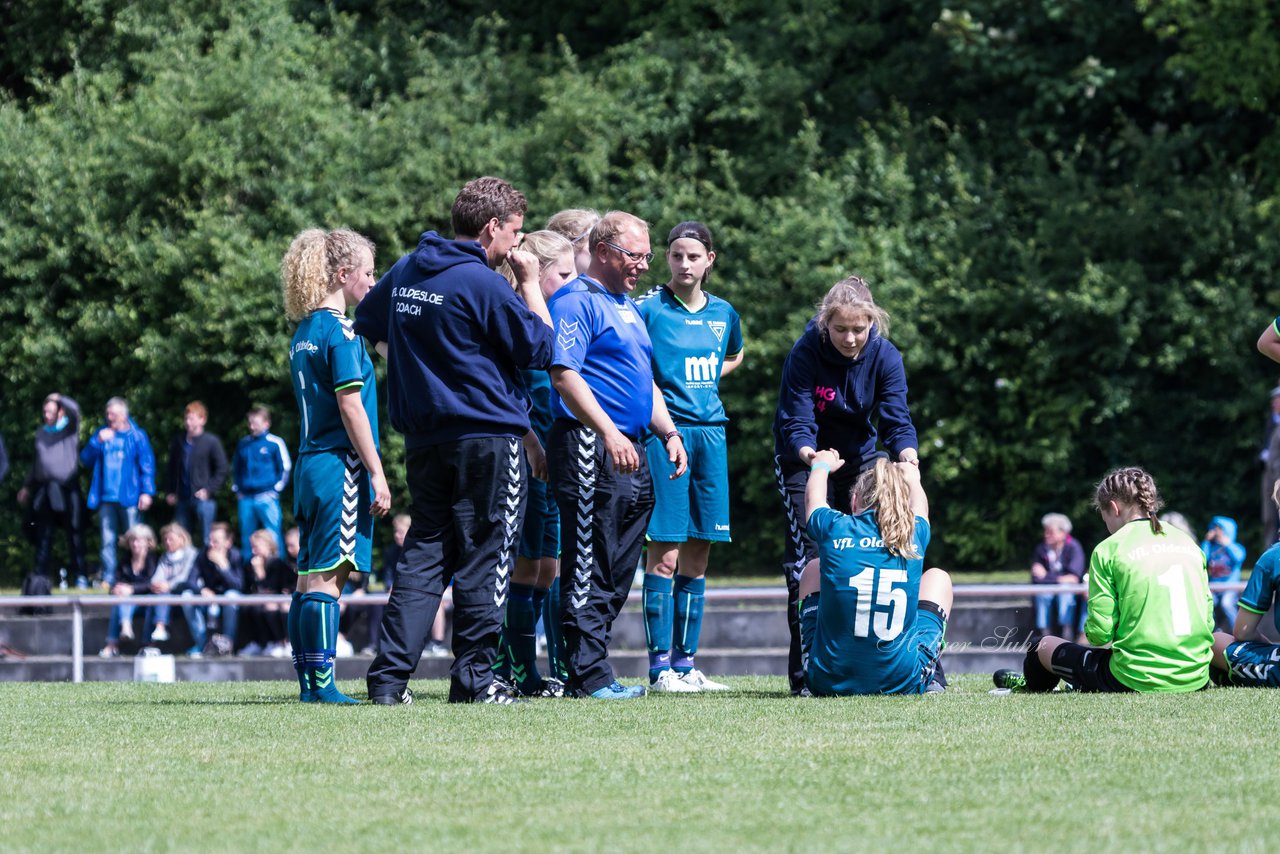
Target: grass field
(142,767)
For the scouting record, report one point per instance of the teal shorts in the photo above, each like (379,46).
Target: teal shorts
(331,499)
(694,506)
(909,671)
(1254,664)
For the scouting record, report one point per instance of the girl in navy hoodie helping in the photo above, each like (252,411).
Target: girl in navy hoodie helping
(841,381)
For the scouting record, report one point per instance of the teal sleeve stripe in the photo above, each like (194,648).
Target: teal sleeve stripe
(352,384)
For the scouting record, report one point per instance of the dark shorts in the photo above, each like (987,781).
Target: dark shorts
(1087,669)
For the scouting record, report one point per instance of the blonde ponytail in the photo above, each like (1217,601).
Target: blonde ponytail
(883,488)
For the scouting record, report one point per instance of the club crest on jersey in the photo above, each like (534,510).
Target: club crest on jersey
(717,328)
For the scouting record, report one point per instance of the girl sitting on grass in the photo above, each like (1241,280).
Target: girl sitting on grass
(1246,657)
(1148,598)
(872,619)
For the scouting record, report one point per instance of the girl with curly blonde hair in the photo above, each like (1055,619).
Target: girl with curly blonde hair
(338,483)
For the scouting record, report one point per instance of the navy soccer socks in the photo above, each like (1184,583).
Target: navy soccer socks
(521,643)
(319,632)
(689,595)
(658,617)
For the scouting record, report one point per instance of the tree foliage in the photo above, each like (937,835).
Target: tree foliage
(1064,204)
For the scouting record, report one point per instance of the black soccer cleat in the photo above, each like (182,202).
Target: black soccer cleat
(404,698)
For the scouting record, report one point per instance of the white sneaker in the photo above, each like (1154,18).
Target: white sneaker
(700,682)
(159,634)
(669,682)
(126,631)
(276,650)
(343,648)
(251,649)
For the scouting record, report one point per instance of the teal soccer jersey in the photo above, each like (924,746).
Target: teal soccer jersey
(325,357)
(689,349)
(1260,593)
(866,640)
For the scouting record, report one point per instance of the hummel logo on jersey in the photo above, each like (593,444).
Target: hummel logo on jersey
(567,336)
(693,321)
(705,369)
(717,327)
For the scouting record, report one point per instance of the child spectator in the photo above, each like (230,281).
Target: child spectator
(217,573)
(261,472)
(197,470)
(172,575)
(133,579)
(1225,557)
(266,628)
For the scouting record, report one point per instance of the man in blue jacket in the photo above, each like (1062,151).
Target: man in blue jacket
(124,478)
(456,337)
(261,472)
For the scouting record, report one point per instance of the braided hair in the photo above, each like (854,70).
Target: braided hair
(1131,486)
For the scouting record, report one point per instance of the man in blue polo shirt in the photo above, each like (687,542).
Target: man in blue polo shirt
(605,399)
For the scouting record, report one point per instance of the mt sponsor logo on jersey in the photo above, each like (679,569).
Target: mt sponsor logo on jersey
(701,371)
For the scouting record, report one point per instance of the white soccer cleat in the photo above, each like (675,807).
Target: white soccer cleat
(669,682)
(700,682)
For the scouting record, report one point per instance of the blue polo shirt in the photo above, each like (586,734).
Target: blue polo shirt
(689,349)
(602,336)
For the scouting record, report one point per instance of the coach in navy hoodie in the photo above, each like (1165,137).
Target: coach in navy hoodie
(840,379)
(456,338)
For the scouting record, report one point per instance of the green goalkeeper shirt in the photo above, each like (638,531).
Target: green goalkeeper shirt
(1149,598)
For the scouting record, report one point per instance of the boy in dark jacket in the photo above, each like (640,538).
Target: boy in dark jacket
(197,470)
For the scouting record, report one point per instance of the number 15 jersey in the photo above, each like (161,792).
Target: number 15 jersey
(866,639)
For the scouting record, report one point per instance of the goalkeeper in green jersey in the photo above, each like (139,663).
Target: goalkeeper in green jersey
(1150,611)
(1246,657)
